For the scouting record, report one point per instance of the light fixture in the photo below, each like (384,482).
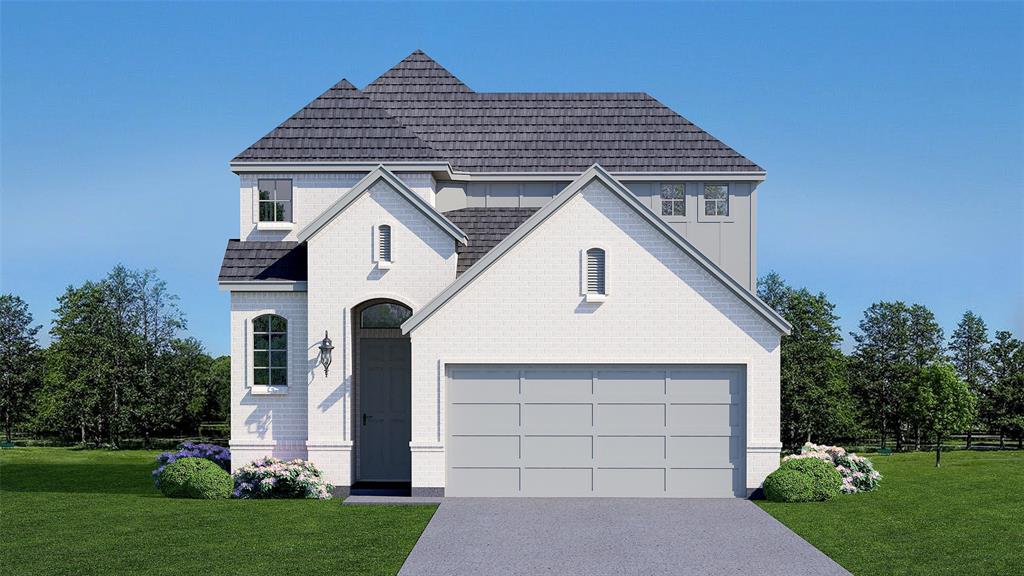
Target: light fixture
(325,353)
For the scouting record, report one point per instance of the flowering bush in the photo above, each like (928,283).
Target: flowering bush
(272,478)
(219,455)
(857,471)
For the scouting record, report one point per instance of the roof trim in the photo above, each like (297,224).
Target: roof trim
(598,173)
(380,173)
(262,285)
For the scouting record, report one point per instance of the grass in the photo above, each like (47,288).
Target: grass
(65,511)
(966,517)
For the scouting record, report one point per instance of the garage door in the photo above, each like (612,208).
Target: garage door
(651,431)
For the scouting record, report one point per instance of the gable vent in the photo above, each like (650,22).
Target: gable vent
(595,271)
(384,243)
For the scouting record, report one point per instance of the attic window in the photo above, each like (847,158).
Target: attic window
(384,243)
(595,272)
(673,199)
(275,200)
(716,199)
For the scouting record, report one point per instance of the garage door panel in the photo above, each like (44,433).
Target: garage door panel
(631,418)
(476,419)
(558,418)
(596,430)
(484,481)
(553,386)
(558,481)
(630,385)
(702,451)
(630,481)
(485,385)
(557,450)
(703,419)
(483,451)
(627,451)
(701,483)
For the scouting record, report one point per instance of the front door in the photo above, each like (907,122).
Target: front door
(385,399)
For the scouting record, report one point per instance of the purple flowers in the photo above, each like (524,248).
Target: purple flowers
(219,455)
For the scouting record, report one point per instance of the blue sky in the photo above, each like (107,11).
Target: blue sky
(893,135)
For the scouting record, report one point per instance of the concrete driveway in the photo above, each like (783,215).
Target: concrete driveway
(598,536)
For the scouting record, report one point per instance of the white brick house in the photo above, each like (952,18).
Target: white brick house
(527,295)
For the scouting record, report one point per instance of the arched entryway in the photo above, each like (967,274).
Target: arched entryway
(382,402)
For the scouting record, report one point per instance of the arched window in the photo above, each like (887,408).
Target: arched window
(384,243)
(386,315)
(595,271)
(270,350)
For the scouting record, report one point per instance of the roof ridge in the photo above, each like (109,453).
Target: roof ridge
(417,70)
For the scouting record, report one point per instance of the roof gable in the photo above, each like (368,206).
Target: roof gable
(363,186)
(598,173)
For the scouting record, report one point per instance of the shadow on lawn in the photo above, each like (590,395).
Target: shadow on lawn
(78,478)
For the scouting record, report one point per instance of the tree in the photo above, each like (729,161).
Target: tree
(1006,399)
(19,361)
(969,349)
(816,402)
(944,403)
(882,360)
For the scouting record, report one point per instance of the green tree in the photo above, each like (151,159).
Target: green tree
(816,402)
(969,350)
(944,402)
(19,361)
(882,359)
(1006,399)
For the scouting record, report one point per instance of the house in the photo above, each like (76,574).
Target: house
(527,294)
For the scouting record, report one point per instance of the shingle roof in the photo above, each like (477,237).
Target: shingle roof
(420,111)
(263,260)
(484,227)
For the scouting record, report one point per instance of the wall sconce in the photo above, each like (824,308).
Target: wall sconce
(325,353)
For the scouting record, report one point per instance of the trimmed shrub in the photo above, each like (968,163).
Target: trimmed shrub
(219,455)
(785,485)
(195,478)
(272,478)
(825,480)
(858,474)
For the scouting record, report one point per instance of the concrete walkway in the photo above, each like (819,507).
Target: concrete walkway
(599,536)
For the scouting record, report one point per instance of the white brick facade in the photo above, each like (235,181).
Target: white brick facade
(662,308)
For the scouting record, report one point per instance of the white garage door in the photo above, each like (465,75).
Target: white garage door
(652,431)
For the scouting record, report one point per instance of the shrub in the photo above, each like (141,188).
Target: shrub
(858,474)
(825,480)
(219,455)
(786,485)
(273,478)
(195,478)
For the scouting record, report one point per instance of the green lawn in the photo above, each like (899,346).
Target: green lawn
(64,511)
(966,517)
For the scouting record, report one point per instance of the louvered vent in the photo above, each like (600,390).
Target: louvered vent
(384,243)
(595,271)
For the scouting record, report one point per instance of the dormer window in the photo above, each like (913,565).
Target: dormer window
(596,284)
(716,199)
(384,243)
(275,200)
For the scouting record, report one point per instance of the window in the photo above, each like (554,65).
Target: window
(384,243)
(595,271)
(673,199)
(270,350)
(387,315)
(275,200)
(716,199)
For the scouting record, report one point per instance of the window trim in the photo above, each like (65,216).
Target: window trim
(702,216)
(588,296)
(290,202)
(250,345)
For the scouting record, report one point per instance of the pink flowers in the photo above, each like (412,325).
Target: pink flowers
(272,478)
(858,473)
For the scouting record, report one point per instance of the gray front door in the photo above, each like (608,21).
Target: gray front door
(385,398)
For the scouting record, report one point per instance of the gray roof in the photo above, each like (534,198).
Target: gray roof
(263,260)
(267,260)
(484,227)
(419,111)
